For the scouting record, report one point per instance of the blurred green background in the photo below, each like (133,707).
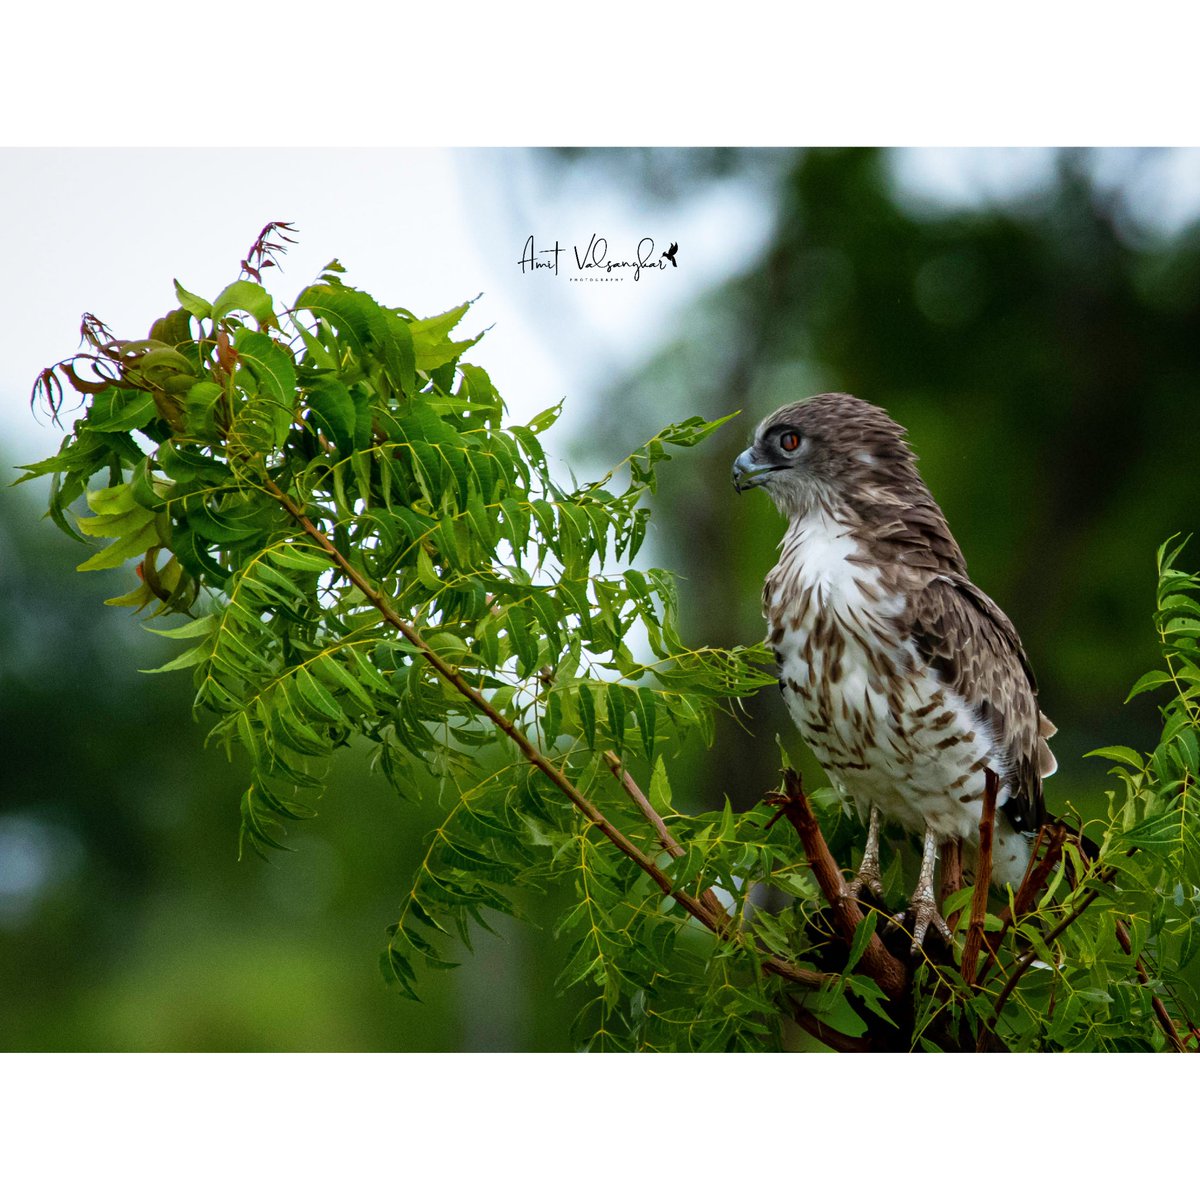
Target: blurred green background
(1041,345)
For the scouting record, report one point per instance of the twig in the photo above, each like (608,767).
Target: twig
(883,967)
(665,837)
(452,675)
(1036,874)
(1030,957)
(1160,1009)
(983,880)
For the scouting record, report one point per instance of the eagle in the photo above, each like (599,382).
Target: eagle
(905,679)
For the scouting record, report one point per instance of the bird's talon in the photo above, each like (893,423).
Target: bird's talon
(872,882)
(925,915)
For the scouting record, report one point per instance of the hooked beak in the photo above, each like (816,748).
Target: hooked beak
(748,472)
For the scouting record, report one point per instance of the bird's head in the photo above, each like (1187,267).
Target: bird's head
(831,447)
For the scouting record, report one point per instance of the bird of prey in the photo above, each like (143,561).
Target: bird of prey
(670,252)
(907,682)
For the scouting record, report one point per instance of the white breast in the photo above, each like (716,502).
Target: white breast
(882,725)
(821,553)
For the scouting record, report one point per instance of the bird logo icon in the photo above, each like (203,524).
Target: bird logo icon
(670,253)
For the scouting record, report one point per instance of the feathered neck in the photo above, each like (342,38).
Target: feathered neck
(893,521)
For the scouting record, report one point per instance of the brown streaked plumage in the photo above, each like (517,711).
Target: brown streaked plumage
(905,679)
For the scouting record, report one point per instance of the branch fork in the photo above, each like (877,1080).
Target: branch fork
(882,966)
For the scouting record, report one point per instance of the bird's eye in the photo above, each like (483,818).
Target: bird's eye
(790,441)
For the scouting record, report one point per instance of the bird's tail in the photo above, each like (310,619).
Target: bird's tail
(1047,763)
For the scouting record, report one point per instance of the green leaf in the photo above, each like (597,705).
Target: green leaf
(617,703)
(660,788)
(197,306)
(1147,683)
(863,933)
(425,572)
(524,644)
(1119,754)
(227,524)
(646,719)
(119,409)
(243,296)
(335,412)
(298,558)
(693,430)
(1182,627)
(546,418)
(837,1013)
(1166,831)
(200,627)
(131,545)
(435,329)
(189,658)
(587,714)
(365,328)
(320,702)
(110,500)
(271,365)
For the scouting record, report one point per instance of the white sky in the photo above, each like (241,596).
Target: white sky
(105,231)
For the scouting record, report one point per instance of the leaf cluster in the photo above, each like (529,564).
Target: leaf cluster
(366,553)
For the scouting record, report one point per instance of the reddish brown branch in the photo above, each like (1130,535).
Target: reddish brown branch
(1160,1009)
(722,927)
(1031,885)
(983,880)
(1037,874)
(665,838)
(1030,957)
(883,967)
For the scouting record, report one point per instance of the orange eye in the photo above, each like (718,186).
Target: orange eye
(790,441)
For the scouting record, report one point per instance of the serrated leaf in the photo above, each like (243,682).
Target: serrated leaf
(243,296)
(587,714)
(189,658)
(131,545)
(660,788)
(196,305)
(200,627)
(617,703)
(318,699)
(334,408)
(863,932)
(1147,683)
(547,417)
(116,409)
(1120,754)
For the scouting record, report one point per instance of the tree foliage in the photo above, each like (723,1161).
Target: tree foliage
(366,556)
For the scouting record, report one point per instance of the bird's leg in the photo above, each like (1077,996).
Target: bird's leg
(923,904)
(868,869)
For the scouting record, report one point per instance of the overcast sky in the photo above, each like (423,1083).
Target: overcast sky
(107,231)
